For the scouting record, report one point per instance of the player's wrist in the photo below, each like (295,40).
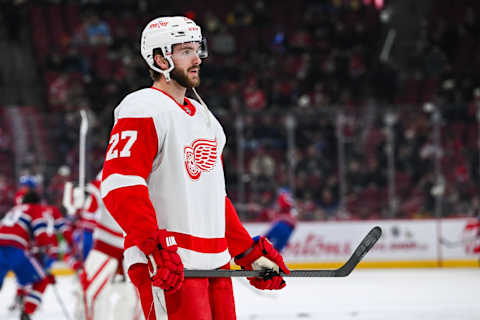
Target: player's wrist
(246,258)
(252,258)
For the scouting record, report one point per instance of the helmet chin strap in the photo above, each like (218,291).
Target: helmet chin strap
(205,108)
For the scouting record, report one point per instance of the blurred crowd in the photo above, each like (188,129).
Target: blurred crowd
(269,61)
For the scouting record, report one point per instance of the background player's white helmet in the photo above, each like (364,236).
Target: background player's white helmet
(163,33)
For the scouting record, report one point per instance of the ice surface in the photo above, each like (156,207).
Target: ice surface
(406,294)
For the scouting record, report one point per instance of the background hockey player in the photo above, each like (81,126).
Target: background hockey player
(284,220)
(22,228)
(105,292)
(163,182)
(26,183)
(55,224)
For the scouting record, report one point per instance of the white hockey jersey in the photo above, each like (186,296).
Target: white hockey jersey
(163,170)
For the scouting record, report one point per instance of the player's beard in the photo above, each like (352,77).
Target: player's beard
(182,78)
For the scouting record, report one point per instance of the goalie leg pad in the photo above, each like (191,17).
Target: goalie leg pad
(118,301)
(95,278)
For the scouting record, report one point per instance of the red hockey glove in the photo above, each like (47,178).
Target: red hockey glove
(164,263)
(263,256)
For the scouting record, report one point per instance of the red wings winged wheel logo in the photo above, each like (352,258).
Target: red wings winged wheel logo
(200,157)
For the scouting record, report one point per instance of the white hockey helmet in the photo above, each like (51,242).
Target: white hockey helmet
(163,33)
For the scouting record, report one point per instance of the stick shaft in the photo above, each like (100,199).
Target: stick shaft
(255,273)
(61,303)
(82,148)
(365,245)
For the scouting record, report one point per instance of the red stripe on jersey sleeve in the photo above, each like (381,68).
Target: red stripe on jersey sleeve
(130,208)
(237,236)
(132,149)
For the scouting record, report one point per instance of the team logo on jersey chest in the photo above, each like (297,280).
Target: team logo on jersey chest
(200,156)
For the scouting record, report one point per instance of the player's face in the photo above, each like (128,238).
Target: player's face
(187,64)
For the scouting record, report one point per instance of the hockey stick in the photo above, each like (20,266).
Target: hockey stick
(82,149)
(60,302)
(367,243)
(74,197)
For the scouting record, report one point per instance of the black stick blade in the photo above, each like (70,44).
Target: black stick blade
(367,243)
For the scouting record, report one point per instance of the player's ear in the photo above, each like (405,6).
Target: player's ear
(161,62)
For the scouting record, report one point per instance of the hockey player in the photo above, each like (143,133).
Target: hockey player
(285,221)
(26,184)
(55,224)
(163,182)
(24,227)
(105,292)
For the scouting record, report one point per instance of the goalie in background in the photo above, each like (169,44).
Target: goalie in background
(105,291)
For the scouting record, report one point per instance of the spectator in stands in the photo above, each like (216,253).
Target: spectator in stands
(98,31)
(223,42)
(58,91)
(253,96)
(328,204)
(311,162)
(307,209)
(239,16)
(262,167)
(301,40)
(212,23)
(75,62)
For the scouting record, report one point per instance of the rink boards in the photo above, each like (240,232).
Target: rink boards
(404,243)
